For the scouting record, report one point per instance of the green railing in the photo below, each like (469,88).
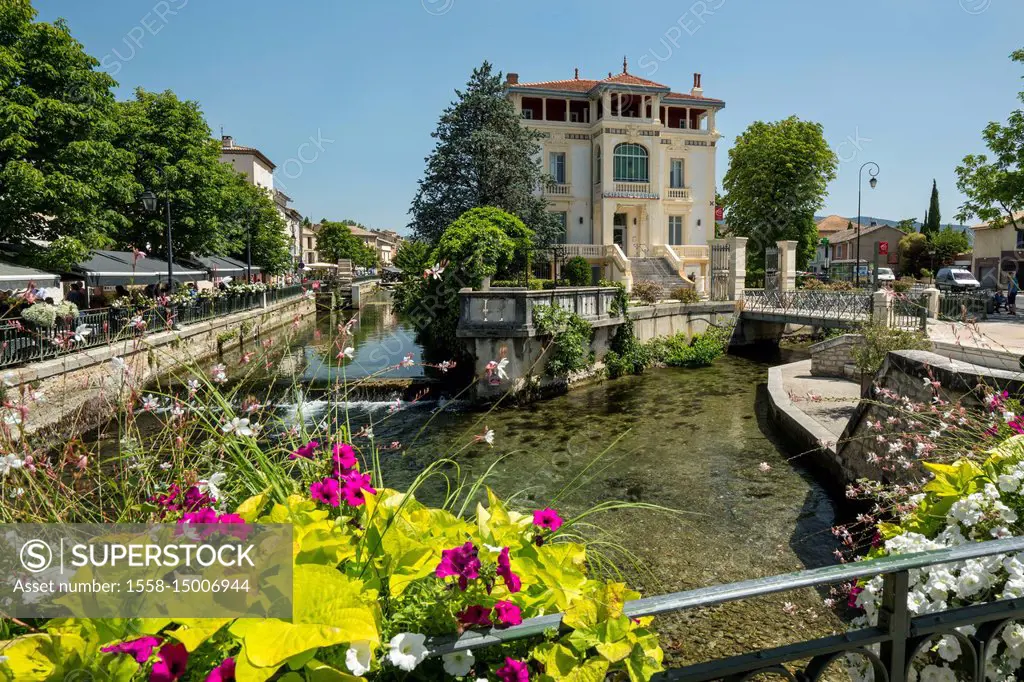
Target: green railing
(899,636)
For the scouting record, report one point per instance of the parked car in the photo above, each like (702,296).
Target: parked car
(886,275)
(956,279)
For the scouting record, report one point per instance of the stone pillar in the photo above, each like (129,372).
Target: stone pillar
(737,267)
(931,301)
(787,265)
(880,307)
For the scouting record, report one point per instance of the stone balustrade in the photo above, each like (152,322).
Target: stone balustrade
(508,312)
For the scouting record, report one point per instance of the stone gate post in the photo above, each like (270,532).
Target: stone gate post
(737,267)
(787,265)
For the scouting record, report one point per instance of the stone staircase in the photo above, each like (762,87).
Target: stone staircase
(657,270)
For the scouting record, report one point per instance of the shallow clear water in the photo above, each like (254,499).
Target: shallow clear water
(689,440)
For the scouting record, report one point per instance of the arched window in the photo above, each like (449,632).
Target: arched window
(630,163)
(597,166)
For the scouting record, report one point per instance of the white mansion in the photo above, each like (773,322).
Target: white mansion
(632,166)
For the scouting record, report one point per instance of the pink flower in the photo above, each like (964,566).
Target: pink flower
(547,518)
(475,615)
(305,451)
(202,516)
(355,488)
(344,456)
(461,562)
(506,613)
(140,649)
(512,581)
(513,671)
(171,664)
(326,491)
(225,672)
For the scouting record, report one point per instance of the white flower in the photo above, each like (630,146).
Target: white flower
(764,467)
(949,648)
(150,403)
(1009,483)
(458,663)
(82,331)
(407,650)
(1008,416)
(239,426)
(193,385)
(117,366)
(349,352)
(407,361)
(211,486)
(218,374)
(789,608)
(8,463)
(358,658)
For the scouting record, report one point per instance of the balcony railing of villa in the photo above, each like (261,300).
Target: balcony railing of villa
(692,253)
(558,189)
(678,193)
(632,187)
(584,250)
(889,648)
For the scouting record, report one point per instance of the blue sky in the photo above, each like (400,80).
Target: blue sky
(906,84)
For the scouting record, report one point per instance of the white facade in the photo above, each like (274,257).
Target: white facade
(632,166)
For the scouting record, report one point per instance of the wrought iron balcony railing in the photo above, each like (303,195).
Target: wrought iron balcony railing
(900,637)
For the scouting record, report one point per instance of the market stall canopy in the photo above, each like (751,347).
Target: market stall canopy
(19,277)
(222,266)
(110,268)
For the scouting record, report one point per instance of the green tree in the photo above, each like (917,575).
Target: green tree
(907,225)
(335,241)
(61,172)
(777,179)
(948,243)
(249,211)
(933,216)
(577,272)
(483,156)
(995,187)
(914,254)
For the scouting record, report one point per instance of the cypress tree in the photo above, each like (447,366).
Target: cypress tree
(933,218)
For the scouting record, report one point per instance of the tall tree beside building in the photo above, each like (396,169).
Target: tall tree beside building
(933,217)
(61,173)
(777,179)
(483,156)
(994,187)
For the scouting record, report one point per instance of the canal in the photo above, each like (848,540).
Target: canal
(691,440)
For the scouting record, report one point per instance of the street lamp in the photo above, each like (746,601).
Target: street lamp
(150,202)
(860,186)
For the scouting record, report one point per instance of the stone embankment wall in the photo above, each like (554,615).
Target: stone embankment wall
(834,357)
(82,389)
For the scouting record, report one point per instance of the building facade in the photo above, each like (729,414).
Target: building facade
(631,166)
(845,255)
(998,253)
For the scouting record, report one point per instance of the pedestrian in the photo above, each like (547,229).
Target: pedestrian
(76,295)
(1011,294)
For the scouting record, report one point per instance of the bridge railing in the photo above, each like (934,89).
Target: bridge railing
(900,636)
(851,305)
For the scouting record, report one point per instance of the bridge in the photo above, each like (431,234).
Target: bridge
(834,309)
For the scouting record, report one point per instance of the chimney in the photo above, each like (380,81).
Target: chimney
(512,79)
(227,141)
(697,91)
(577,76)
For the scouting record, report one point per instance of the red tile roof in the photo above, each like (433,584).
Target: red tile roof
(585,85)
(238,149)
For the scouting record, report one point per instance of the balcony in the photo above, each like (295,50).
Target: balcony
(679,193)
(558,189)
(584,250)
(632,188)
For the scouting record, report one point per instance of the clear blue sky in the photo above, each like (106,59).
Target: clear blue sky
(914,81)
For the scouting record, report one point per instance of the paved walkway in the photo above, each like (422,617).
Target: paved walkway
(1004,334)
(827,400)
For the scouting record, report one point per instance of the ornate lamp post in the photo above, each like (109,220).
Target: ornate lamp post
(860,186)
(150,202)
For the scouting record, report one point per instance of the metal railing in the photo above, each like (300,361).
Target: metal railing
(907,311)
(899,635)
(833,305)
(21,342)
(964,306)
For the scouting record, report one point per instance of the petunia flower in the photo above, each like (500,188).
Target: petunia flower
(506,613)
(458,663)
(305,451)
(513,671)
(225,672)
(344,457)
(512,581)
(461,562)
(356,485)
(547,518)
(140,649)
(171,663)
(326,491)
(359,657)
(475,615)
(407,650)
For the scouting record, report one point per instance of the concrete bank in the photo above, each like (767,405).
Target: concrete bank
(82,389)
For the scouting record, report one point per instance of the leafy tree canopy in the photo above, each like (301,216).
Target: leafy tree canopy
(994,186)
(335,241)
(484,156)
(61,170)
(777,179)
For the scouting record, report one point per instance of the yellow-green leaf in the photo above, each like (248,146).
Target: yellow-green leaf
(195,631)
